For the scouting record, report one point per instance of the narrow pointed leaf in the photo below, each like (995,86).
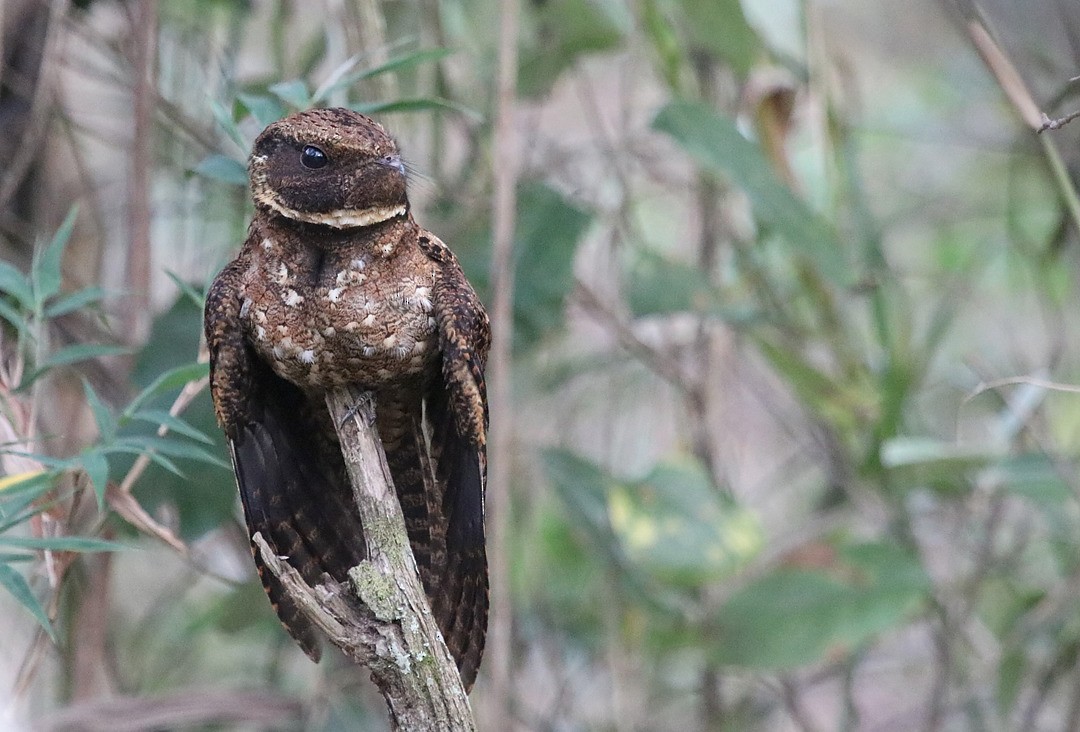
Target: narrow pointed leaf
(15,283)
(106,423)
(175,424)
(407,61)
(294,93)
(171,379)
(173,448)
(223,169)
(13,316)
(74,301)
(716,144)
(62,543)
(416,105)
(24,486)
(45,274)
(225,120)
(96,466)
(187,289)
(264,109)
(16,584)
(82,352)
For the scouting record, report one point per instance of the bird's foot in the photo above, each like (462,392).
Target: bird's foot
(363,406)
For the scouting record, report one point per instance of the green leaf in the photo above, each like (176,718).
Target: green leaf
(676,527)
(343,77)
(225,120)
(940,464)
(20,590)
(837,401)
(96,466)
(45,274)
(407,61)
(222,168)
(106,423)
(23,487)
(657,285)
(565,31)
(172,448)
(1036,477)
(81,352)
(62,543)
(175,424)
(793,617)
(74,301)
(15,283)
(69,355)
(264,109)
(188,290)
(716,145)
(416,105)
(669,50)
(720,27)
(546,239)
(16,318)
(583,487)
(171,379)
(294,93)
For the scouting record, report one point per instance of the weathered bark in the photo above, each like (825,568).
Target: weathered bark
(383,620)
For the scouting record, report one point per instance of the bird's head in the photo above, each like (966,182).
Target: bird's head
(332,167)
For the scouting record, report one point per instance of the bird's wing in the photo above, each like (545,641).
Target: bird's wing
(288,466)
(456,413)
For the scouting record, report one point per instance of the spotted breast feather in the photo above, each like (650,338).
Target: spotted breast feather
(336,284)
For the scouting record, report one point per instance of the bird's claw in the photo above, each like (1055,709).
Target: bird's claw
(363,406)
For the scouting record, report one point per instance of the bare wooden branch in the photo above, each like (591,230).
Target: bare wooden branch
(1056,124)
(383,620)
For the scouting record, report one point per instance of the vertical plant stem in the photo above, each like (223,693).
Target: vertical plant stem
(89,637)
(504,203)
(144,51)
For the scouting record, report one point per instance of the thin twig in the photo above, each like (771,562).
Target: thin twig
(1056,124)
(985,386)
(187,394)
(136,315)
(505,171)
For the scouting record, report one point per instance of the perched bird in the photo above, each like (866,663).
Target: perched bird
(336,284)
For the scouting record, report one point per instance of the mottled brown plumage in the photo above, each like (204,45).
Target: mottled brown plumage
(336,284)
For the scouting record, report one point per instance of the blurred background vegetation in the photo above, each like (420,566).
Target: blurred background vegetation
(796,312)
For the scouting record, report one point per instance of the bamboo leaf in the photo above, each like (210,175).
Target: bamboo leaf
(175,424)
(223,169)
(16,584)
(417,105)
(187,289)
(171,379)
(61,543)
(716,144)
(45,273)
(96,466)
(74,301)
(14,283)
(106,423)
(264,109)
(225,120)
(81,352)
(294,93)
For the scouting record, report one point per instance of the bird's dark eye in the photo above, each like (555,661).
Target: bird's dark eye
(312,157)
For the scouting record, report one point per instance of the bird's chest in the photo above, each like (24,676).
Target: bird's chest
(341,318)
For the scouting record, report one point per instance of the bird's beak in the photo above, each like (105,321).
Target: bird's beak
(393,161)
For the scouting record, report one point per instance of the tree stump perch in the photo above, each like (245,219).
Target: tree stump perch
(382,620)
